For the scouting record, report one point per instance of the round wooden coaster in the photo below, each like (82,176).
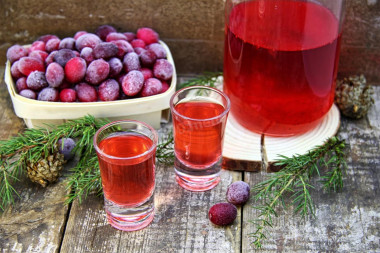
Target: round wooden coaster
(248,151)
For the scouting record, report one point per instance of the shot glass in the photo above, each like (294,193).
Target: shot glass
(126,153)
(199,119)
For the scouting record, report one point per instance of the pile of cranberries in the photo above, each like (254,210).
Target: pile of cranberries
(103,66)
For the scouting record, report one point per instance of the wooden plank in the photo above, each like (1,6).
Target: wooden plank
(180,224)
(348,221)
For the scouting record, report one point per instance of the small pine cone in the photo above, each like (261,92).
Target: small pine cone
(353,96)
(47,169)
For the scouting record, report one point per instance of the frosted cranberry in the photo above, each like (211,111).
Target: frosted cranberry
(26,65)
(163,69)
(16,52)
(63,56)
(139,50)
(48,94)
(105,50)
(37,45)
(87,40)
(238,193)
(165,86)
(68,43)
(21,84)
(148,73)
(97,71)
(87,54)
(123,47)
(38,54)
(132,82)
(222,214)
(65,85)
(66,147)
(28,94)
(52,45)
(109,90)
(131,62)
(152,86)
(77,54)
(36,80)
(148,35)
(138,43)
(158,49)
(78,34)
(75,69)
(68,95)
(86,92)
(116,66)
(50,58)
(47,37)
(130,36)
(15,72)
(103,30)
(116,36)
(54,75)
(147,58)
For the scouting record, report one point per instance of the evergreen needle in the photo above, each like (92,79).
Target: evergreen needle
(207,79)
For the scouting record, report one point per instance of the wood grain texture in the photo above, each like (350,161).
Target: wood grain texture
(347,221)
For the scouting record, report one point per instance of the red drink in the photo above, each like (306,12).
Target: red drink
(198,143)
(280,64)
(127,181)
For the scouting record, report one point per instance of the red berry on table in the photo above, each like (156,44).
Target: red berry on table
(222,214)
(132,83)
(75,69)
(21,84)
(97,71)
(54,75)
(116,36)
(109,90)
(116,66)
(68,95)
(86,93)
(63,56)
(238,193)
(87,40)
(131,62)
(48,94)
(16,52)
(138,43)
(105,50)
(163,69)
(36,80)
(28,94)
(152,86)
(52,45)
(26,65)
(68,43)
(103,30)
(148,35)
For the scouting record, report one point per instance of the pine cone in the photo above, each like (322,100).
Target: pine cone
(46,170)
(353,96)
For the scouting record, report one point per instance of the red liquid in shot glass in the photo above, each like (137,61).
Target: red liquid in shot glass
(127,182)
(198,141)
(280,64)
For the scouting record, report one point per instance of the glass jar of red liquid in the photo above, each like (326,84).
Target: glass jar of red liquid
(280,62)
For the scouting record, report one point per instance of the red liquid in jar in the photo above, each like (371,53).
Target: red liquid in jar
(198,143)
(280,64)
(127,182)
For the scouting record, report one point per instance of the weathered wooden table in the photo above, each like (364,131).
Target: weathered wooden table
(348,221)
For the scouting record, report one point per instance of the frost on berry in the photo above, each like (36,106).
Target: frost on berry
(148,73)
(87,40)
(222,214)
(116,66)
(50,58)
(54,75)
(165,86)
(131,62)
(109,90)
(138,43)
(38,54)
(148,35)
(66,147)
(105,50)
(115,36)
(52,45)
(47,37)
(36,80)
(26,65)
(16,52)
(37,45)
(103,30)
(86,93)
(87,54)
(63,56)
(21,84)
(28,94)
(163,69)
(130,36)
(132,83)
(147,58)
(15,72)
(48,94)
(75,69)
(123,47)
(97,71)
(78,34)
(152,86)
(68,95)
(158,50)
(67,43)
(238,193)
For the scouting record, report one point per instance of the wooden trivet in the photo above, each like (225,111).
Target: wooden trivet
(247,151)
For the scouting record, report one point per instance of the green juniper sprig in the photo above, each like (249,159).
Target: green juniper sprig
(207,79)
(294,179)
